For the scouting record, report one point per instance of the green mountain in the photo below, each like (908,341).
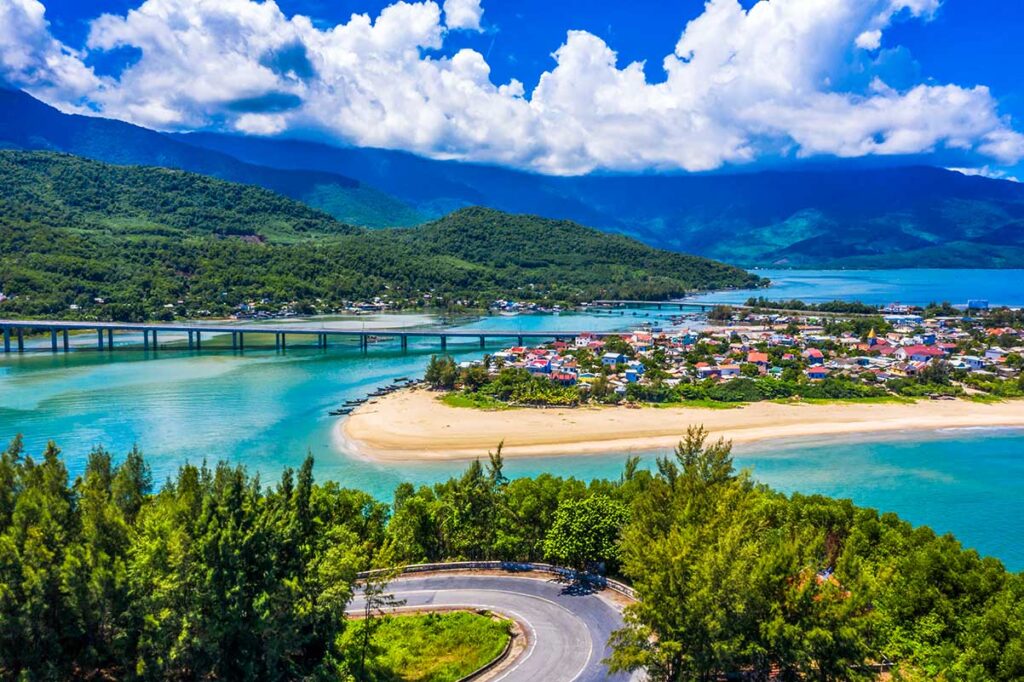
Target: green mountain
(153,242)
(548,249)
(126,201)
(833,215)
(28,124)
(837,215)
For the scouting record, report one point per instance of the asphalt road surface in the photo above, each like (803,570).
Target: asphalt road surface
(567,630)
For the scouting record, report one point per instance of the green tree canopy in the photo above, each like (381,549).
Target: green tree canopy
(586,532)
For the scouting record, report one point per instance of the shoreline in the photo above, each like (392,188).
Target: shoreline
(415,426)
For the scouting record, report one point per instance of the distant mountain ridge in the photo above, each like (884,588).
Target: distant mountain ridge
(913,216)
(28,124)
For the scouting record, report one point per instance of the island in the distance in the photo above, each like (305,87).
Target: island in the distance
(799,372)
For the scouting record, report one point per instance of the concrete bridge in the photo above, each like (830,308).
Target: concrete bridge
(739,307)
(14,332)
(658,305)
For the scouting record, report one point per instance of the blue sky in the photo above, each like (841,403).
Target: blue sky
(796,79)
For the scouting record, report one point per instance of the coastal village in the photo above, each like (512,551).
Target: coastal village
(971,353)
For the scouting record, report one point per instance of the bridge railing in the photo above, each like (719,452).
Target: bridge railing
(510,567)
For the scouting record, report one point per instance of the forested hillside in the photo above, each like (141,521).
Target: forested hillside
(61,191)
(141,239)
(28,124)
(222,575)
(516,244)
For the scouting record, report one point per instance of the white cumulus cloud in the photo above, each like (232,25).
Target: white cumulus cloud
(463,14)
(870,40)
(740,84)
(30,57)
(986,172)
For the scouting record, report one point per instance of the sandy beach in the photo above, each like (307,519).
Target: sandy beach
(414,425)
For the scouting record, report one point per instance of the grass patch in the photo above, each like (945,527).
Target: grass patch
(873,400)
(479,402)
(704,404)
(483,402)
(986,398)
(430,647)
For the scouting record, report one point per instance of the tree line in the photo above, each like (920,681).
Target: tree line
(836,306)
(218,574)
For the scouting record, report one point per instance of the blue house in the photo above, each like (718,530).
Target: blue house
(636,366)
(813,356)
(612,359)
(539,366)
(995,354)
(817,373)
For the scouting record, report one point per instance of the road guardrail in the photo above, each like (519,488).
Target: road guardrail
(511,567)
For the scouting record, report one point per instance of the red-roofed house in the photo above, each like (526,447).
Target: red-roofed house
(918,353)
(759,359)
(641,340)
(705,371)
(729,371)
(817,373)
(813,356)
(539,366)
(564,378)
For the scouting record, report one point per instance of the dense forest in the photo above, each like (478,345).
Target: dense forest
(221,575)
(156,243)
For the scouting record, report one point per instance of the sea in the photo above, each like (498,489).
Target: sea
(267,409)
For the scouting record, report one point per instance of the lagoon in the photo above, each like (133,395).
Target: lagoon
(878,287)
(267,409)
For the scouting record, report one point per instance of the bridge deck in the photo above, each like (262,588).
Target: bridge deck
(742,307)
(230,328)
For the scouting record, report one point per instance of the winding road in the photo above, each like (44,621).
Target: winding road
(567,631)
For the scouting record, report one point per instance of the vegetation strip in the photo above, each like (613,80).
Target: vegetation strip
(498,660)
(431,645)
(517,632)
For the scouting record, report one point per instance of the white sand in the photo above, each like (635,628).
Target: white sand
(413,425)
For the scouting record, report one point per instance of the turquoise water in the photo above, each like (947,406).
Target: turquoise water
(262,408)
(267,409)
(913,287)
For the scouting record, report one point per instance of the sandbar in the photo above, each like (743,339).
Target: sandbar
(414,425)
